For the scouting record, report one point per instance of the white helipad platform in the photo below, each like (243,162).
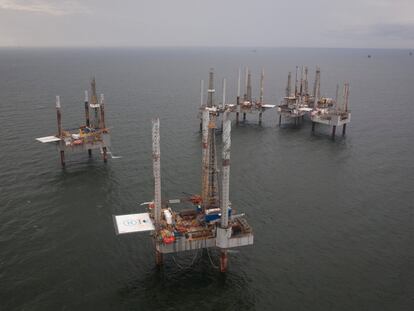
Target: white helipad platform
(133,223)
(48,139)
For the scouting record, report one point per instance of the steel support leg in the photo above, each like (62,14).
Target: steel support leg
(223,260)
(260,117)
(105,155)
(313,127)
(237,118)
(343,130)
(62,158)
(158,258)
(333,131)
(244,116)
(280,120)
(90,153)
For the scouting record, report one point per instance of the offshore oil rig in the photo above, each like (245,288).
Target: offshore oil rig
(249,105)
(297,103)
(332,112)
(93,135)
(324,110)
(211,222)
(246,106)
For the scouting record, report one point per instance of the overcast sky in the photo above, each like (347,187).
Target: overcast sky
(252,23)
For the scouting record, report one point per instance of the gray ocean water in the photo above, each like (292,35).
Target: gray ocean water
(333,221)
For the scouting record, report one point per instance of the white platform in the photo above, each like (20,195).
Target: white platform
(48,139)
(133,223)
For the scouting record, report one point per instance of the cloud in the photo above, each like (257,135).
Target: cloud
(64,7)
(393,31)
(381,31)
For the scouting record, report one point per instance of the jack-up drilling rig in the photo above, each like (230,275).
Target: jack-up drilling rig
(247,105)
(93,135)
(211,222)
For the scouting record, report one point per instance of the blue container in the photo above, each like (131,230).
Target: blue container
(215,216)
(211,217)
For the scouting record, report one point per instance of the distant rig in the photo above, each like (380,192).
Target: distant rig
(323,110)
(246,106)
(93,135)
(299,102)
(211,222)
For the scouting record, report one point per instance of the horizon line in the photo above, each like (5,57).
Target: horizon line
(254,48)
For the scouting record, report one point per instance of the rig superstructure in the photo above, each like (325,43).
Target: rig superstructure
(211,222)
(332,112)
(320,109)
(93,135)
(297,103)
(246,106)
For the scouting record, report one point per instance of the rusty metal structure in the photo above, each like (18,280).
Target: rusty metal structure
(211,221)
(94,135)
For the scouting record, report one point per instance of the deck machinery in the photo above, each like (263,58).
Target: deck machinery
(93,135)
(211,222)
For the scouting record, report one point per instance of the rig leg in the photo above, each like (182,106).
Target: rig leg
(343,129)
(158,258)
(105,155)
(333,132)
(62,158)
(244,116)
(237,118)
(280,120)
(90,153)
(313,127)
(260,117)
(223,260)
(201,125)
